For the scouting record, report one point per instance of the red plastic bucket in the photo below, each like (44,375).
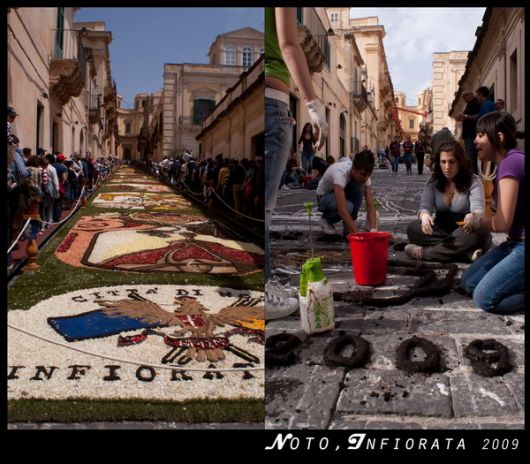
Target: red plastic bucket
(369,253)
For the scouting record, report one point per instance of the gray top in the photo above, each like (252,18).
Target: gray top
(432,199)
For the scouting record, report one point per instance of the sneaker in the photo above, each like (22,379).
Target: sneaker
(277,302)
(327,227)
(414,251)
(476,254)
(284,187)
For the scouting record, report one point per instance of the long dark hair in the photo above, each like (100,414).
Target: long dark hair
(463,178)
(500,121)
(303,132)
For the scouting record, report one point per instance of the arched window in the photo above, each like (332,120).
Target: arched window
(261,51)
(247,57)
(230,55)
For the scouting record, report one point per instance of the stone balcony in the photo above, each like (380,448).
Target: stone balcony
(359,96)
(66,79)
(68,68)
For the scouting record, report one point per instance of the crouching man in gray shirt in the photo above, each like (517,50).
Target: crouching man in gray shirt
(340,193)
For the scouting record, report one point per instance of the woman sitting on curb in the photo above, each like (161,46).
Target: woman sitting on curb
(452,192)
(496,281)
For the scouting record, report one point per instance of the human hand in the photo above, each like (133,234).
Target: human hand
(471,223)
(374,229)
(427,223)
(318,120)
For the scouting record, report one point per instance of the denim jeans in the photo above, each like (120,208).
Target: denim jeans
(278,140)
(327,204)
(307,161)
(496,280)
(471,151)
(407,157)
(395,163)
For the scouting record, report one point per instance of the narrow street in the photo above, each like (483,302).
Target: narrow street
(139,289)
(309,394)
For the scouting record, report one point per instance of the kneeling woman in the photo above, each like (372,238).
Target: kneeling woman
(496,281)
(452,192)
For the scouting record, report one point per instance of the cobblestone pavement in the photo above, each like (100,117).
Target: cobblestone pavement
(308,394)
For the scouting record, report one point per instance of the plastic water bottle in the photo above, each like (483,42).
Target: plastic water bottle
(316,298)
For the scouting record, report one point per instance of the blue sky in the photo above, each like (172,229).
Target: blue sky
(143,39)
(414,34)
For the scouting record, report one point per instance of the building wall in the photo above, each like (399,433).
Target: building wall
(62,125)
(185,83)
(447,69)
(498,62)
(235,123)
(239,40)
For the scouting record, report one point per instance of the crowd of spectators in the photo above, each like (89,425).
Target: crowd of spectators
(47,182)
(235,183)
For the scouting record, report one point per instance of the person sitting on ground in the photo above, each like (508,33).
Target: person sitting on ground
(452,192)
(497,280)
(340,193)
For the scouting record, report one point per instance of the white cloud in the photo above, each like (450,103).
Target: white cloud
(414,34)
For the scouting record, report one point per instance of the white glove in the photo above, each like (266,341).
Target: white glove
(318,119)
(427,223)
(471,222)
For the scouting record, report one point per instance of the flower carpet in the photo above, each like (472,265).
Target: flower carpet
(150,304)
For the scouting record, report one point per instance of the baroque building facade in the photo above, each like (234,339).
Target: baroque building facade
(447,69)
(60,82)
(191,92)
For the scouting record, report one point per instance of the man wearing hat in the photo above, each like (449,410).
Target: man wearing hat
(12,139)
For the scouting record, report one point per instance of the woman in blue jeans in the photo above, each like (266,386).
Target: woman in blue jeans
(496,280)
(307,139)
(284,59)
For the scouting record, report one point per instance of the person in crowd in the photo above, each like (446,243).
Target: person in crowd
(449,195)
(395,153)
(237,176)
(26,152)
(469,122)
(382,155)
(50,190)
(408,147)
(486,104)
(33,187)
(12,138)
(340,193)
(496,281)
(62,175)
(500,105)
(419,151)
(443,135)
(307,139)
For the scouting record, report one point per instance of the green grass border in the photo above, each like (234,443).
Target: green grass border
(86,410)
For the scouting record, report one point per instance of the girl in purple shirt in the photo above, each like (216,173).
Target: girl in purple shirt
(496,280)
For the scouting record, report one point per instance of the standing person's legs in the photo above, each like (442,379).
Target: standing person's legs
(408,162)
(420,157)
(497,279)
(395,163)
(278,139)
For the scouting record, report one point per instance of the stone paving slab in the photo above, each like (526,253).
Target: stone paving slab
(480,396)
(376,391)
(317,389)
